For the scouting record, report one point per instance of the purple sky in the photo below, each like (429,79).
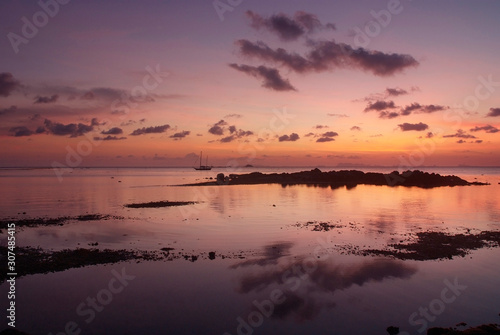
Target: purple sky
(152,83)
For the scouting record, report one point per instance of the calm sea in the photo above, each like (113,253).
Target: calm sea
(278,275)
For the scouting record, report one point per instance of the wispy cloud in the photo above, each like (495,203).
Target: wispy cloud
(271,78)
(151,130)
(488,128)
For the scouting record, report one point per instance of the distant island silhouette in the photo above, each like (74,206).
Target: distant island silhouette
(348,178)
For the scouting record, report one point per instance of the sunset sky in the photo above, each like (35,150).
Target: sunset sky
(267,83)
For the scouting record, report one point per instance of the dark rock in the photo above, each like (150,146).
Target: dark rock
(211,255)
(393,330)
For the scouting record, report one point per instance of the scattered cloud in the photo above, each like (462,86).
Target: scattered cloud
(460,134)
(217,128)
(46,100)
(379,105)
(112,131)
(289,138)
(327,137)
(270,76)
(419,109)
(356,128)
(285,27)
(180,135)
(337,115)
(20,131)
(71,129)
(11,109)
(151,130)
(387,115)
(494,112)
(236,135)
(319,126)
(329,55)
(488,128)
(394,92)
(413,126)
(234,115)
(8,84)
(109,138)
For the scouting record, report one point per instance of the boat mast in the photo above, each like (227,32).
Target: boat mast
(201,153)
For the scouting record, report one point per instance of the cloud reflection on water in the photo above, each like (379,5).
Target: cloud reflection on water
(308,284)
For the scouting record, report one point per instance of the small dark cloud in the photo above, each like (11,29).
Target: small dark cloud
(309,134)
(461,141)
(232,129)
(105,93)
(113,131)
(109,138)
(413,126)
(319,126)
(46,100)
(460,134)
(236,135)
(418,108)
(488,128)
(388,115)
(379,105)
(337,115)
(330,134)
(325,139)
(234,115)
(21,131)
(271,77)
(478,141)
(407,110)
(217,128)
(71,129)
(8,84)
(288,28)
(180,135)
(11,109)
(151,130)
(494,112)
(394,92)
(290,138)
(356,128)
(429,135)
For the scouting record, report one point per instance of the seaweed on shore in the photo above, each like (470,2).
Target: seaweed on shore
(35,260)
(159,204)
(59,221)
(437,245)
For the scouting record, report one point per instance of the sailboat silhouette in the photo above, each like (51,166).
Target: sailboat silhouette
(203,167)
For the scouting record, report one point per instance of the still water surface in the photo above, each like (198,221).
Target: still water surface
(323,289)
